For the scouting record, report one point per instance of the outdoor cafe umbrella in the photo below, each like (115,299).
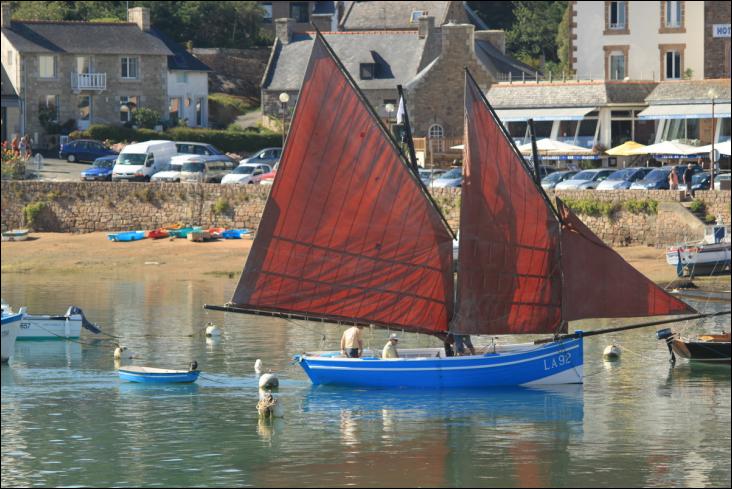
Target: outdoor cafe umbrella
(625,149)
(668,149)
(547,147)
(723,148)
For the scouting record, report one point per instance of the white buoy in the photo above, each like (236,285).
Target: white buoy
(258,366)
(268,381)
(213,330)
(122,353)
(611,353)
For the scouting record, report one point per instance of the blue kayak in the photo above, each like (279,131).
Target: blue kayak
(126,236)
(234,233)
(153,375)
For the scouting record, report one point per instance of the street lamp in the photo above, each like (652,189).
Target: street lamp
(389,109)
(284,98)
(712,94)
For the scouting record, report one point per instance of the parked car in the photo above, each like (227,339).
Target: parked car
(171,173)
(544,170)
(719,179)
(205,169)
(551,180)
(586,179)
(428,176)
(657,179)
(84,150)
(102,169)
(268,178)
(699,181)
(246,173)
(195,148)
(623,179)
(268,156)
(140,161)
(452,178)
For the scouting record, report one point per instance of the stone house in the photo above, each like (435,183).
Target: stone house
(79,73)
(324,15)
(426,59)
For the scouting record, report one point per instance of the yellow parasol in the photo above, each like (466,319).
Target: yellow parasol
(628,148)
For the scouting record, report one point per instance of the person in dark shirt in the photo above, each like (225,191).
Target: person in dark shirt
(688,173)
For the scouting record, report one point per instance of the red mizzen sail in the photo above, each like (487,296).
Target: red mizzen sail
(509,278)
(348,232)
(598,283)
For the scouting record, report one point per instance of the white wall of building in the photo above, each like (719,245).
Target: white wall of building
(643,20)
(194,88)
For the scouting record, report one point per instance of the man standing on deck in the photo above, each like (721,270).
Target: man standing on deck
(351,342)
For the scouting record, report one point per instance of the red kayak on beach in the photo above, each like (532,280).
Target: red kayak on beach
(157,233)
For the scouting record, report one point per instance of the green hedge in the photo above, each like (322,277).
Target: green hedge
(228,141)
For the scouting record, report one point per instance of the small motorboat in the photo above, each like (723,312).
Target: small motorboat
(152,375)
(158,233)
(182,232)
(710,255)
(15,235)
(127,236)
(235,233)
(10,322)
(704,348)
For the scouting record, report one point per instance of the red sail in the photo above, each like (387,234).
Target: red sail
(509,278)
(348,232)
(599,283)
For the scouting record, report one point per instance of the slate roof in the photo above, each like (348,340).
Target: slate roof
(8,91)
(689,91)
(491,56)
(396,53)
(569,94)
(390,15)
(83,38)
(181,58)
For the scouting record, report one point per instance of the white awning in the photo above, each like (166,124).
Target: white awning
(685,111)
(544,114)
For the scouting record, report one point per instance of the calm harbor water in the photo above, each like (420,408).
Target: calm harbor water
(67,420)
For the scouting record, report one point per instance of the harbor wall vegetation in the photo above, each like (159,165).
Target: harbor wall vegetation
(620,218)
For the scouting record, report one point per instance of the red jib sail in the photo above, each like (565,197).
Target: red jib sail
(598,283)
(509,278)
(348,232)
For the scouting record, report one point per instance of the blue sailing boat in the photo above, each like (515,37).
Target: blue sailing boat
(350,235)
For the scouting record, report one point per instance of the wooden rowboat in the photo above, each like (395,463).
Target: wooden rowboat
(704,348)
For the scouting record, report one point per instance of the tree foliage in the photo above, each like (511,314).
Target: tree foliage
(201,23)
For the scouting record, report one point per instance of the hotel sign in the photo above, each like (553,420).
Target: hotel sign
(721,30)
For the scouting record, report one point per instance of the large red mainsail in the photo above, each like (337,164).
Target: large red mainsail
(348,232)
(509,278)
(522,268)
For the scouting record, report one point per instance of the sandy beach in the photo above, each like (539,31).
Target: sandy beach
(93,252)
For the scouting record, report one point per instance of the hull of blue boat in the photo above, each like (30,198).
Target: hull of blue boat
(150,378)
(558,362)
(128,236)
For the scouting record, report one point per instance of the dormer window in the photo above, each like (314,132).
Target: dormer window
(416,14)
(367,71)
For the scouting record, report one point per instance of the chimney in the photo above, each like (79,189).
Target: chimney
(426,26)
(7,13)
(140,16)
(458,40)
(496,37)
(283,29)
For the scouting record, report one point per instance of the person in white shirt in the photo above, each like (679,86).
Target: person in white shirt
(390,350)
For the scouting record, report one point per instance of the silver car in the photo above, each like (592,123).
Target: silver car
(586,179)
(453,178)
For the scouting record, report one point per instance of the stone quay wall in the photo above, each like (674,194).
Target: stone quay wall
(83,207)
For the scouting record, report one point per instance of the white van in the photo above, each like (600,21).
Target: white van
(140,161)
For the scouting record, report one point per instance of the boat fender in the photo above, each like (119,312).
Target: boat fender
(268,381)
(193,366)
(212,330)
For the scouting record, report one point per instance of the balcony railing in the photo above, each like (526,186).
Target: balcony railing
(88,81)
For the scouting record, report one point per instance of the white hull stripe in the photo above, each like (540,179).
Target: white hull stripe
(414,369)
